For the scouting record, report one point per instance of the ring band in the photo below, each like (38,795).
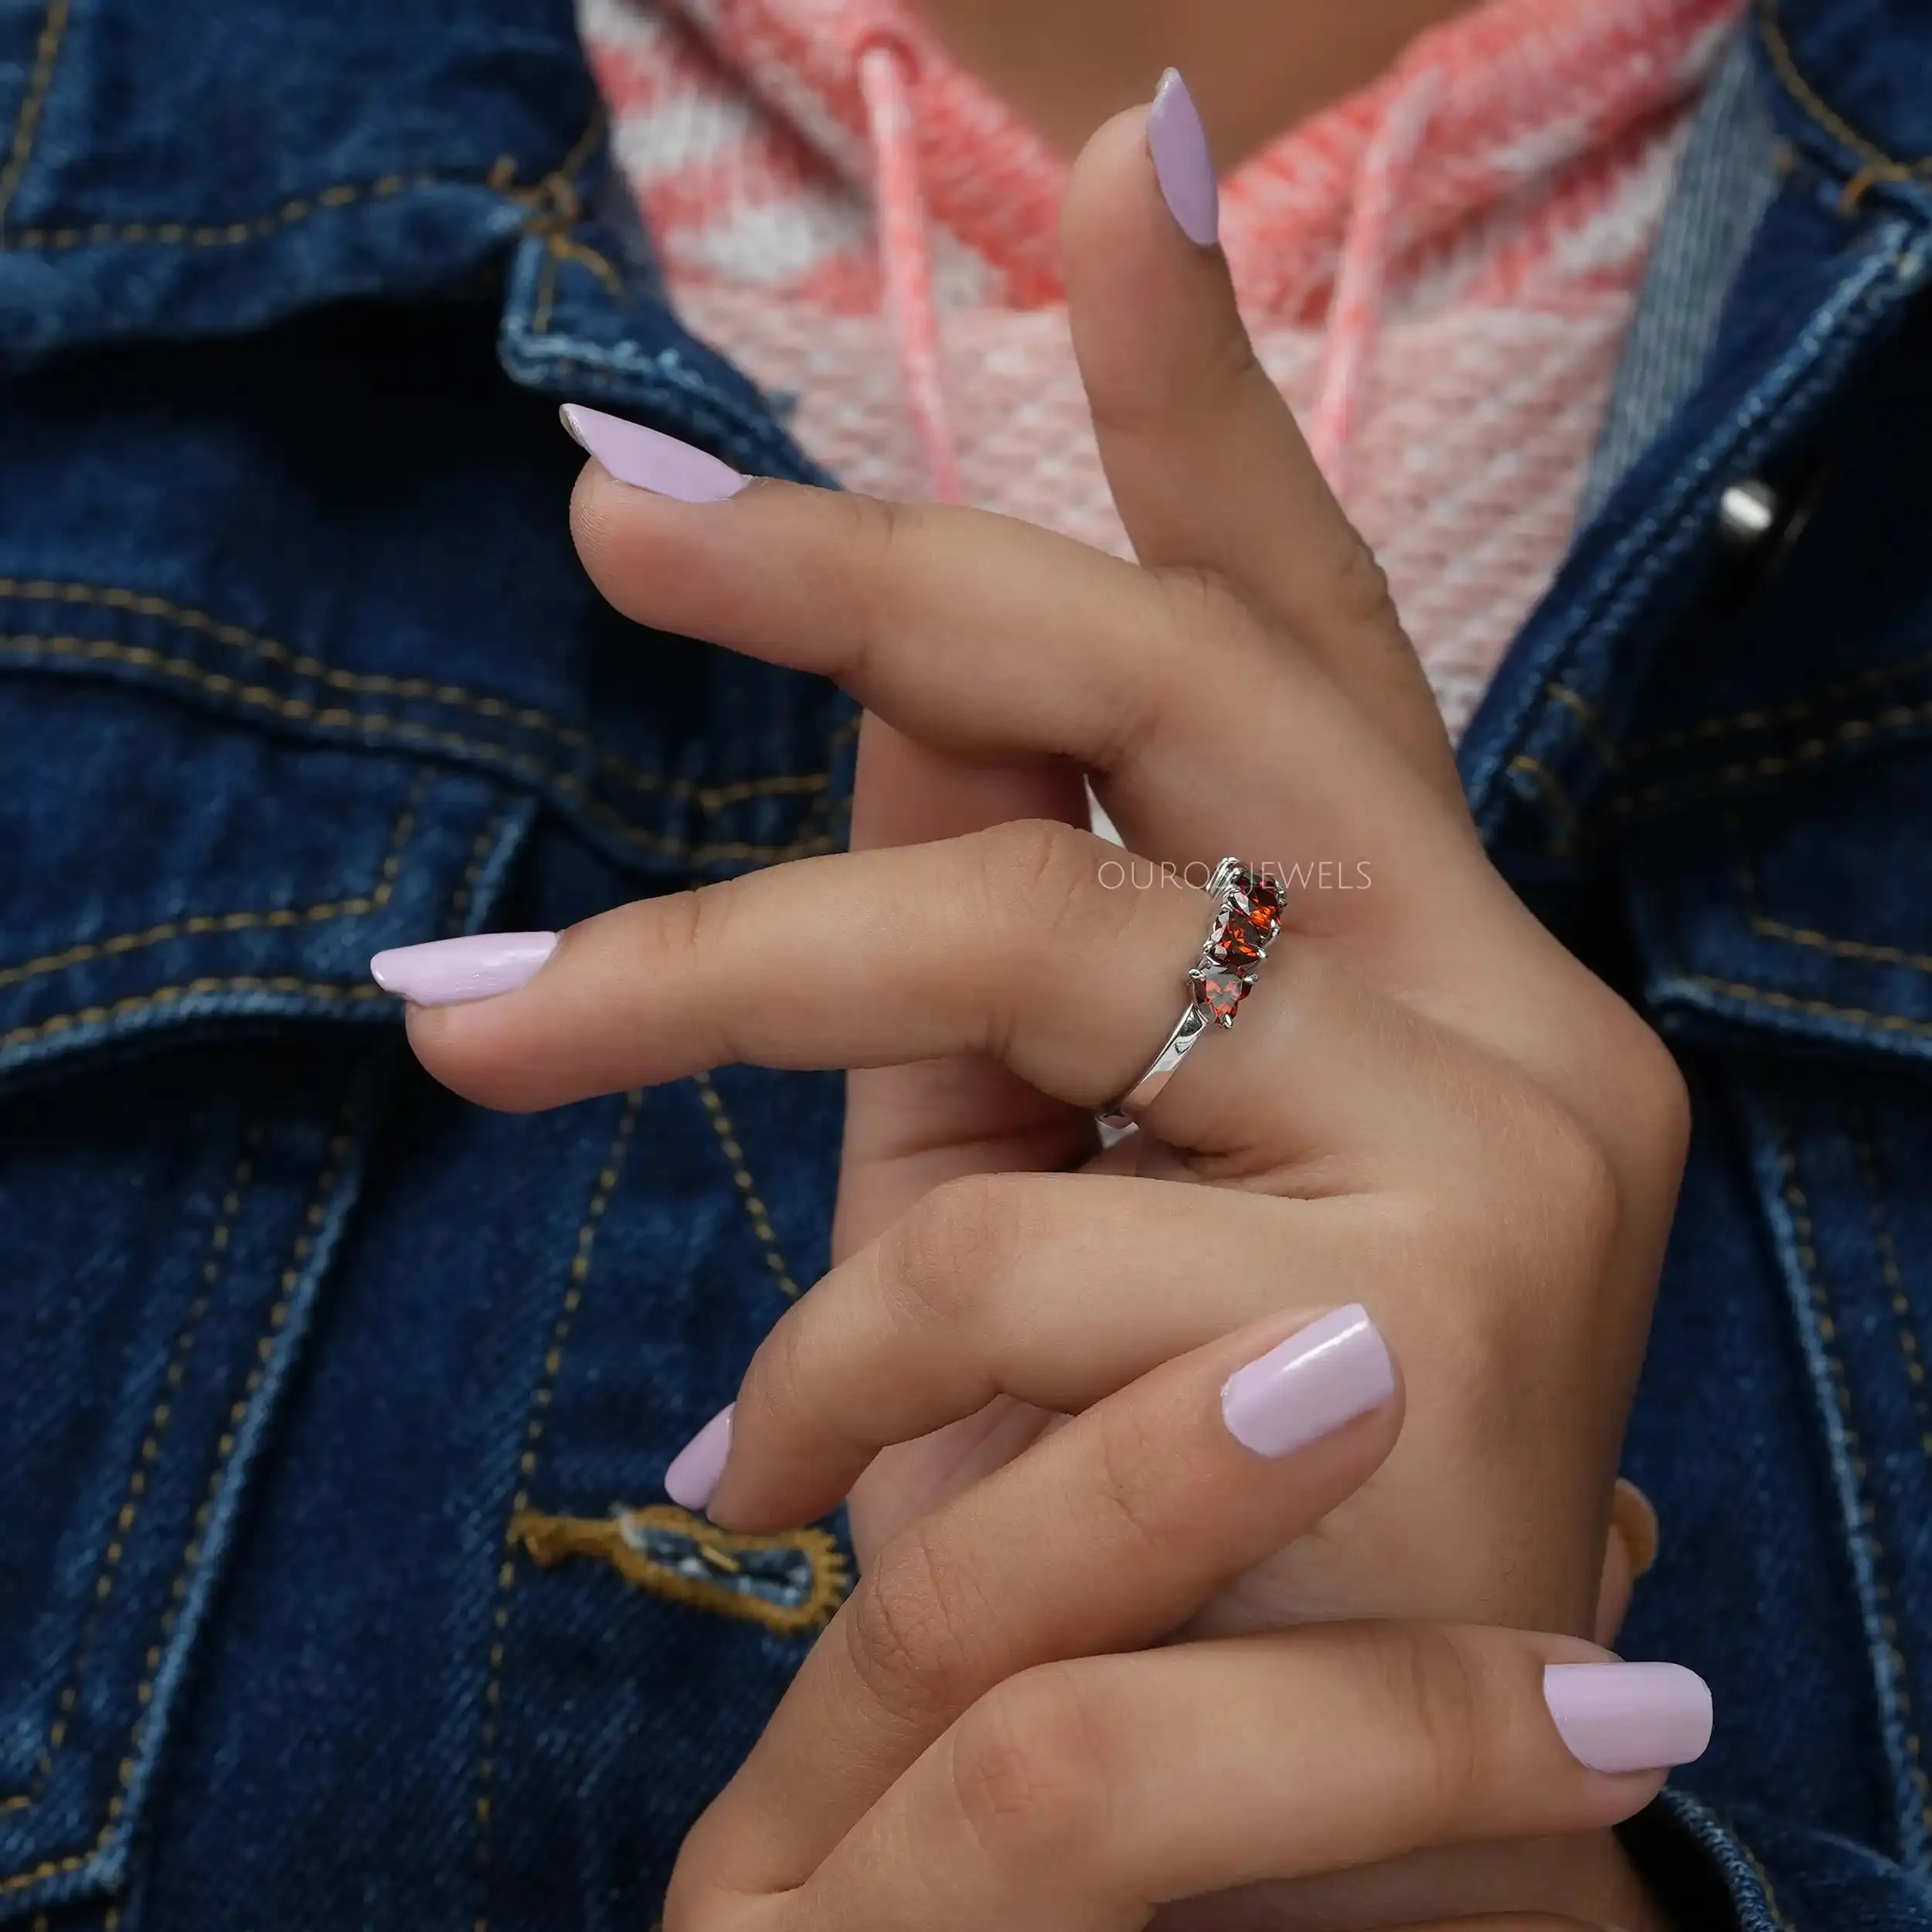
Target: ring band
(1247,917)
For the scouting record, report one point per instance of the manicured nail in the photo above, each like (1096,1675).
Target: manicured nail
(1182,165)
(649,459)
(1629,1717)
(1326,1375)
(1634,1517)
(447,970)
(691,1481)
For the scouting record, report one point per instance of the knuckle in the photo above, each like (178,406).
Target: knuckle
(1223,368)
(870,537)
(780,1381)
(1205,605)
(940,1256)
(1435,1697)
(682,928)
(1042,891)
(1029,1768)
(692,1902)
(1360,588)
(1577,1181)
(1132,1468)
(683,921)
(1035,864)
(1553,1175)
(906,1629)
(875,527)
(1659,1103)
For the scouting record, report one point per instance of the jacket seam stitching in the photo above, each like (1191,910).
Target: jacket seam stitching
(500,177)
(755,1211)
(26,122)
(1893,719)
(1878,165)
(1764,927)
(541,1397)
(21,647)
(480,847)
(1758,718)
(333,1164)
(376,684)
(1818,1009)
(1861,1518)
(188,989)
(1763,1879)
(1563,838)
(1865,1159)
(1784,386)
(134,1487)
(196,924)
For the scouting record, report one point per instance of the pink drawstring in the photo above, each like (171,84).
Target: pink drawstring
(905,259)
(1353,329)
(1354,308)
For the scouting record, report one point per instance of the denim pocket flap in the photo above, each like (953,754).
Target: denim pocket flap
(1803,912)
(173,879)
(170,872)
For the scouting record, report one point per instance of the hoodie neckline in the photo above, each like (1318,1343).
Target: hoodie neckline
(1519,89)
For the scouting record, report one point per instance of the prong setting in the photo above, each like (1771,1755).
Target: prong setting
(1246,922)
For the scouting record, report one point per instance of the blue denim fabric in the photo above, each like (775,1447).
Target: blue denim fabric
(336,1588)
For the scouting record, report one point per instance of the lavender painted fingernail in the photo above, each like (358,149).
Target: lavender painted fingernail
(1182,165)
(649,460)
(1629,1717)
(446,971)
(691,1481)
(1324,1375)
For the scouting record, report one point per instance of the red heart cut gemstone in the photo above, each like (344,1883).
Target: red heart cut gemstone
(1220,993)
(1260,899)
(1237,940)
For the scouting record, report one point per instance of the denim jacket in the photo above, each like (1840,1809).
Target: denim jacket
(336,1586)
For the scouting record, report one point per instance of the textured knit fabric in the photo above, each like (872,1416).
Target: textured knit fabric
(1533,144)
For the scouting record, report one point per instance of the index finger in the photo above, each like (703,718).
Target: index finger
(1209,468)
(1180,1482)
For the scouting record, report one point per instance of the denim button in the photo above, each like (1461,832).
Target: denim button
(1747,513)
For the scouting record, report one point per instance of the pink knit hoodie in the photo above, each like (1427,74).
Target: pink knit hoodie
(1437,270)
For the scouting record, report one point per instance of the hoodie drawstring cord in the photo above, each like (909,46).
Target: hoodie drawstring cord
(1350,339)
(1354,325)
(905,260)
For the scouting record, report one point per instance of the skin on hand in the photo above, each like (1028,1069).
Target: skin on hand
(1428,1106)
(979,1738)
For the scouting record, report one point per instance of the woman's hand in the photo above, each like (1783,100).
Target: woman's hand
(1428,1105)
(966,1746)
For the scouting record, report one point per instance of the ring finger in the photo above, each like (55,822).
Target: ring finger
(1025,942)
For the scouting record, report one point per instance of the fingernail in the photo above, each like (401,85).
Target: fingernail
(1182,165)
(1629,1717)
(649,460)
(1634,1517)
(1326,1375)
(691,1481)
(446,971)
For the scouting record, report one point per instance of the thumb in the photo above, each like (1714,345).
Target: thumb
(1207,466)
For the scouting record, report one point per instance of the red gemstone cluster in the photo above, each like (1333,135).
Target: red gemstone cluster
(1244,926)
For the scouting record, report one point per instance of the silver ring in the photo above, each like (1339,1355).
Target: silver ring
(1247,920)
